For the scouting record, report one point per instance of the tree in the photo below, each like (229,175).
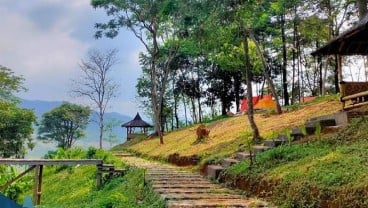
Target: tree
(95,83)
(9,83)
(15,129)
(64,124)
(147,20)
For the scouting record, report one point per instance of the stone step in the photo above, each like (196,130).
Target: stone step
(260,148)
(188,196)
(327,122)
(331,129)
(274,143)
(229,162)
(174,182)
(209,203)
(196,186)
(173,177)
(296,134)
(213,171)
(242,155)
(193,190)
(310,127)
(167,173)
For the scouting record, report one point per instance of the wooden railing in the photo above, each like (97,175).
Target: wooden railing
(37,165)
(353,94)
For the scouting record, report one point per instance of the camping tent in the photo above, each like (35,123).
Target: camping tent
(7,203)
(259,102)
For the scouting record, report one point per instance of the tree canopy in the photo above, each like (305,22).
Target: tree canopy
(9,84)
(16,128)
(64,124)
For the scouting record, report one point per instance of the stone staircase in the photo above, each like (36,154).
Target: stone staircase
(181,188)
(322,124)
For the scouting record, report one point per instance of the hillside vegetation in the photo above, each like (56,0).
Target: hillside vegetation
(231,134)
(75,186)
(323,170)
(326,171)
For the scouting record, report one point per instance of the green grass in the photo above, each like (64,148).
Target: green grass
(331,170)
(75,186)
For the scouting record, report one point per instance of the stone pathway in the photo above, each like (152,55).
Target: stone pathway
(180,188)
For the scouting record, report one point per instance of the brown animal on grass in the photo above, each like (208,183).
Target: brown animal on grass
(202,132)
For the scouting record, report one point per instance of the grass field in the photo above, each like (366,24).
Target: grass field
(230,134)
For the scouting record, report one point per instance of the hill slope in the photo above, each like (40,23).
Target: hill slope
(231,134)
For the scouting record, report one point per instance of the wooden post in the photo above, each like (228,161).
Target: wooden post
(37,190)
(99,176)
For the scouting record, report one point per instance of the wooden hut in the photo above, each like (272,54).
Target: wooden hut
(352,42)
(133,125)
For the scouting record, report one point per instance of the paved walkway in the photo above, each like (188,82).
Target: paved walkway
(180,188)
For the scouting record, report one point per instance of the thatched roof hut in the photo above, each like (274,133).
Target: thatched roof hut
(352,42)
(137,122)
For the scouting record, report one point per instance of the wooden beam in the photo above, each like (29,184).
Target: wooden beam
(356,105)
(360,94)
(3,187)
(49,162)
(37,190)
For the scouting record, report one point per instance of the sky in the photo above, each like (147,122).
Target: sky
(45,40)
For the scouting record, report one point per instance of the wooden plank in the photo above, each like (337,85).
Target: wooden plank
(349,97)
(49,162)
(37,185)
(356,105)
(3,187)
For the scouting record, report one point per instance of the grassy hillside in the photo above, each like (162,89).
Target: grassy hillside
(75,186)
(327,171)
(230,134)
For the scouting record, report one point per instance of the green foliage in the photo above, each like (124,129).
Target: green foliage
(15,129)
(330,171)
(75,187)
(16,189)
(9,84)
(64,124)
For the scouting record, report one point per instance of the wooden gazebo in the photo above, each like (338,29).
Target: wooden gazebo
(132,125)
(352,42)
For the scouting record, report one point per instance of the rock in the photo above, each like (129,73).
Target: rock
(274,143)
(213,171)
(242,155)
(229,162)
(259,148)
(296,133)
(327,122)
(310,127)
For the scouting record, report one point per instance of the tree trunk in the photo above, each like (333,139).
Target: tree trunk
(248,76)
(101,124)
(362,8)
(194,114)
(284,61)
(337,71)
(237,85)
(199,110)
(185,110)
(156,103)
(266,75)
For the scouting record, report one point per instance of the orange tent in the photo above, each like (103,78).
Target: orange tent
(259,102)
(244,104)
(266,103)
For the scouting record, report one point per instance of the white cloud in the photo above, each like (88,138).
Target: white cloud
(43,58)
(44,40)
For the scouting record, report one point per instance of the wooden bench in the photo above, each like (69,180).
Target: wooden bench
(354,92)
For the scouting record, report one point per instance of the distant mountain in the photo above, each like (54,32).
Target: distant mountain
(40,107)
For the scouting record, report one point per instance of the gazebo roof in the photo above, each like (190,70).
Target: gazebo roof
(352,42)
(136,122)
